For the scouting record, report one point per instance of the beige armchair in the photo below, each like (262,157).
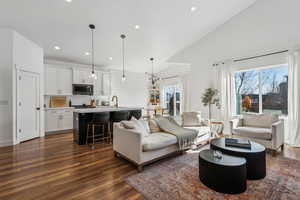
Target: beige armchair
(265,129)
(194,121)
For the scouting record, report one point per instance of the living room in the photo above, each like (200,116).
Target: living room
(175,85)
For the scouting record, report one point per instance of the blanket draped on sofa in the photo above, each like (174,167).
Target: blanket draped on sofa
(185,137)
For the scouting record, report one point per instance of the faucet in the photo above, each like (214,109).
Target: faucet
(117,101)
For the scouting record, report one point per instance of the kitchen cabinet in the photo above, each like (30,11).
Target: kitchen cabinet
(58,81)
(106,84)
(98,90)
(59,119)
(82,77)
(102,84)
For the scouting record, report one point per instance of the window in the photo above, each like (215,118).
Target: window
(172,99)
(262,91)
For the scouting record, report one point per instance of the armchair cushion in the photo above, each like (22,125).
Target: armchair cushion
(259,120)
(158,141)
(191,119)
(253,132)
(202,130)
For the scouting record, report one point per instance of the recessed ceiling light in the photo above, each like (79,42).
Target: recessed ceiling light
(137,26)
(87,53)
(110,58)
(193,9)
(57,48)
(69,1)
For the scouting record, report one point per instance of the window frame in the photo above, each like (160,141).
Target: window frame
(259,70)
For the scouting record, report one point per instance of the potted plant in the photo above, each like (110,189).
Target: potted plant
(209,98)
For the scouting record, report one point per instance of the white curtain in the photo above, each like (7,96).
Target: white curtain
(294,99)
(186,94)
(226,84)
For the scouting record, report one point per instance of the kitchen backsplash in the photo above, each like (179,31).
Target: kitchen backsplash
(78,100)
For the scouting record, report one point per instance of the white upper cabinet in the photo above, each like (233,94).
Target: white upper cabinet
(98,84)
(65,81)
(58,81)
(82,77)
(106,84)
(102,84)
(50,80)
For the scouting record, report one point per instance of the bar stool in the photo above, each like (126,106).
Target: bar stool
(102,121)
(136,114)
(118,116)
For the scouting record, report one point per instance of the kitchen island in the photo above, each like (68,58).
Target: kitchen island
(82,117)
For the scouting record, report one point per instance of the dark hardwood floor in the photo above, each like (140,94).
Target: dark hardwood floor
(55,168)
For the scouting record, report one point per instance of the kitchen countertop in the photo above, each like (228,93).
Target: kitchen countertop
(105,109)
(60,108)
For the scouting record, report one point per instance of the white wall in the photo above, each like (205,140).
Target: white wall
(266,26)
(133,91)
(6,48)
(17,53)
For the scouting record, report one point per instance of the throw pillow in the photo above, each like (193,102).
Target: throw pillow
(154,128)
(128,124)
(141,126)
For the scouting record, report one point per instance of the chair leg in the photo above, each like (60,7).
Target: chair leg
(274,153)
(87,134)
(116,154)
(93,137)
(140,168)
(109,133)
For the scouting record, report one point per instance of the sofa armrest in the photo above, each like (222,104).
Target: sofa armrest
(278,134)
(234,123)
(127,142)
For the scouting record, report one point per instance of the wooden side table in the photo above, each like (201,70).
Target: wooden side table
(216,128)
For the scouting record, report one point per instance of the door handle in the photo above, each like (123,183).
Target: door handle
(38,108)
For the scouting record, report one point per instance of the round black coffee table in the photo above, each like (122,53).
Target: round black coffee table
(256,157)
(227,175)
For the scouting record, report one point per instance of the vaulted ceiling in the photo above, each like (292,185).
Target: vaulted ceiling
(165,27)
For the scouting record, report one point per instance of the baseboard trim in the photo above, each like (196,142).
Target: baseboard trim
(6,143)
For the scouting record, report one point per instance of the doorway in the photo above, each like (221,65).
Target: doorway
(173,99)
(28,106)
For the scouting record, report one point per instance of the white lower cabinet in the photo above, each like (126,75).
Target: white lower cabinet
(58,120)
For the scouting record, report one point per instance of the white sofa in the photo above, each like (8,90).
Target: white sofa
(265,129)
(142,148)
(139,149)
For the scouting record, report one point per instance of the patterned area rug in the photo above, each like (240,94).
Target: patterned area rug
(178,178)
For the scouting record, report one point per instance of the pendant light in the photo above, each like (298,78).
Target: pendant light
(152,74)
(123,56)
(93,75)
(152,77)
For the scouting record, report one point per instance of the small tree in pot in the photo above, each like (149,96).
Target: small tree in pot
(211,97)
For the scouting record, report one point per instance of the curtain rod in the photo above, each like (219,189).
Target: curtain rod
(259,56)
(252,57)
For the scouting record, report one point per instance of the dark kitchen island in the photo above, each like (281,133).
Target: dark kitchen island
(82,117)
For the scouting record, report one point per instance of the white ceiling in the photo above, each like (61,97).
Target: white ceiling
(166,27)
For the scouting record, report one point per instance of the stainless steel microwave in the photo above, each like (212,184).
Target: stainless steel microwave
(83,89)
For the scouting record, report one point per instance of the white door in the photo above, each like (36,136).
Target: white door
(28,116)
